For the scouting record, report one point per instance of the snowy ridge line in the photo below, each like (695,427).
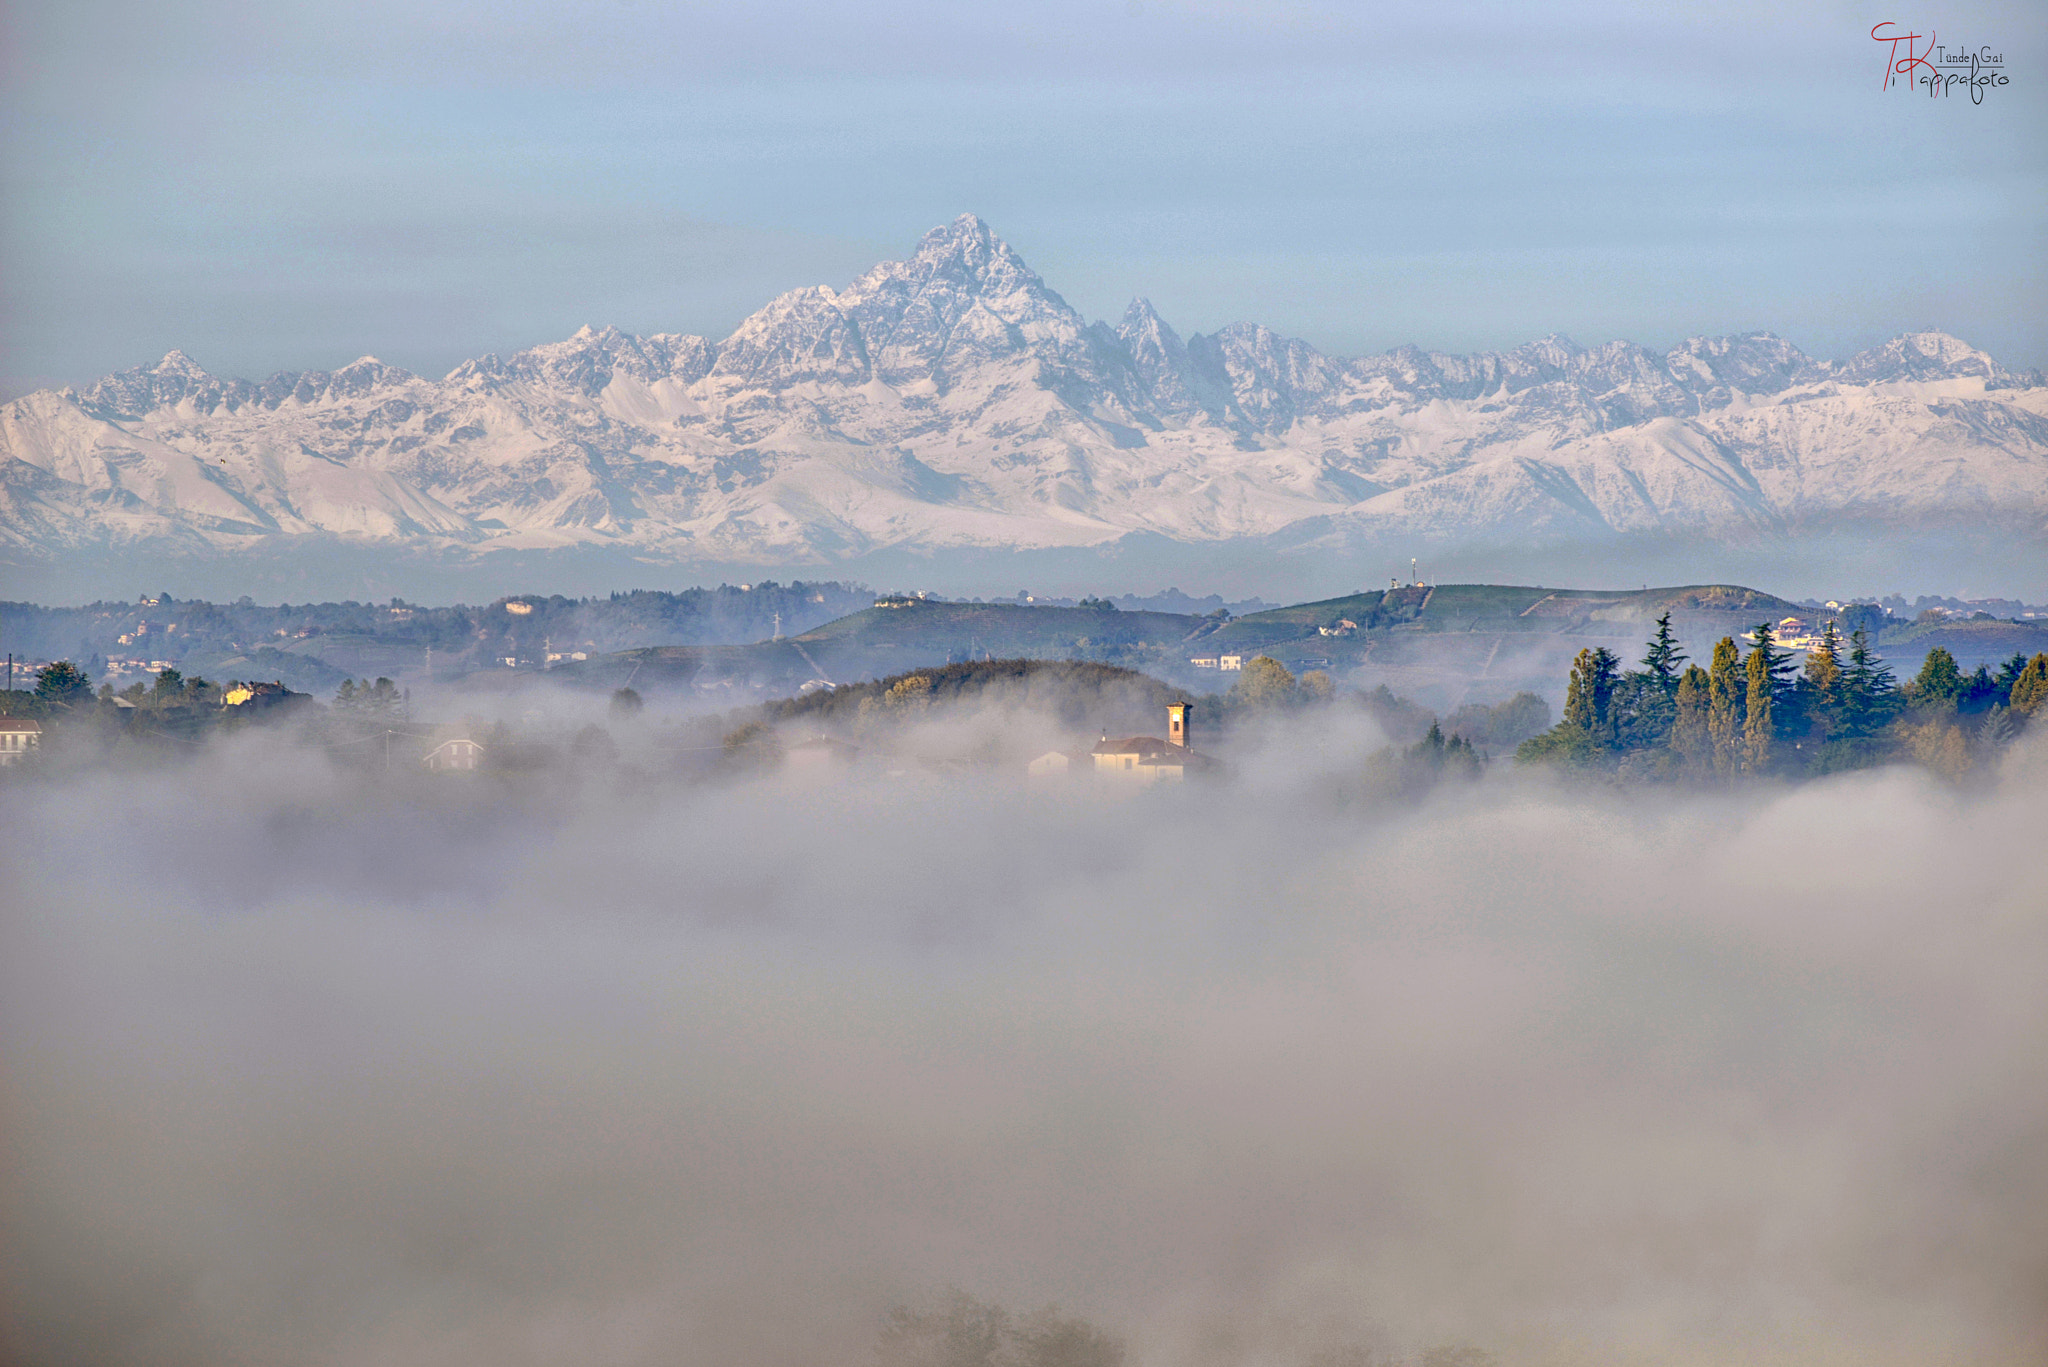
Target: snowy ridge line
(953,399)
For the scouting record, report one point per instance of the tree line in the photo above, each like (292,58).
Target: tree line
(1755,713)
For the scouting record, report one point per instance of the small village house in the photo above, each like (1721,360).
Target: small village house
(453,751)
(18,739)
(1061,764)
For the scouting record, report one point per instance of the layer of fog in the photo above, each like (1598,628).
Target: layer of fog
(304,1069)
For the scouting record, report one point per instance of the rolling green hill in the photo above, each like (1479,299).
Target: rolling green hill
(1443,644)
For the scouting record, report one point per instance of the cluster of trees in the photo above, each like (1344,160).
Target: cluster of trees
(1413,770)
(381,701)
(1074,690)
(1755,713)
(63,692)
(1502,725)
(1265,684)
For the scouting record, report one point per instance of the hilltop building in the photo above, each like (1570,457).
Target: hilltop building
(260,697)
(1148,759)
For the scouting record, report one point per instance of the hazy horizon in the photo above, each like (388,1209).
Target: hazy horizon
(268,190)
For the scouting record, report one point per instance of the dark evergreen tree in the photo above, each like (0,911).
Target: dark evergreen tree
(1869,693)
(1645,701)
(1980,692)
(2009,674)
(1820,688)
(1663,658)
(1758,707)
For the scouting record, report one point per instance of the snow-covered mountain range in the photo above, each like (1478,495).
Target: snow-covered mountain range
(953,400)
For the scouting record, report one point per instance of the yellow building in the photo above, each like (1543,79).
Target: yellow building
(1148,759)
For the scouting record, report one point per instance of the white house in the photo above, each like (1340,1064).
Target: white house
(18,738)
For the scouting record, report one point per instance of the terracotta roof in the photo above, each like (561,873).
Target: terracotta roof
(1186,759)
(19,724)
(1135,745)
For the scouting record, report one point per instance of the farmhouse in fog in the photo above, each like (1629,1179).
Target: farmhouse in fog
(457,752)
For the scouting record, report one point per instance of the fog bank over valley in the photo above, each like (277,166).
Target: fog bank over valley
(307,1067)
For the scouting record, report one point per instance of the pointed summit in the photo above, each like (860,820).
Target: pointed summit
(1161,360)
(963,297)
(176,362)
(1143,320)
(968,254)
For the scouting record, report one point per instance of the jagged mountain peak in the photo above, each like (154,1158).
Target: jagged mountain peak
(963,261)
(1925,355)
(972,245)
(1141,315)
(176,362)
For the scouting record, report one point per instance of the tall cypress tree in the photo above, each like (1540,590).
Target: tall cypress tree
(1727,691)
(1690,735)
(1588,699)
(1758,709)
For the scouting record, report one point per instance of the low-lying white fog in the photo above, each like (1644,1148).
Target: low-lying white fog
(305,1069)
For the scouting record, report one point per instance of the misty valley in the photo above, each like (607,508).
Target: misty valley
(1442,975)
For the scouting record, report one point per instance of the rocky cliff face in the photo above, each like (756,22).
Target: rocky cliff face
(953,399)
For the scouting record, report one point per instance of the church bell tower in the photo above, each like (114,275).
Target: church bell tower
(1179,717)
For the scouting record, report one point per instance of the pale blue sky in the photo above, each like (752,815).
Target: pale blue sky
(278,186)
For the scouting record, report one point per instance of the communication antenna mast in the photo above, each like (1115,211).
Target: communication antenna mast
(778,625)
